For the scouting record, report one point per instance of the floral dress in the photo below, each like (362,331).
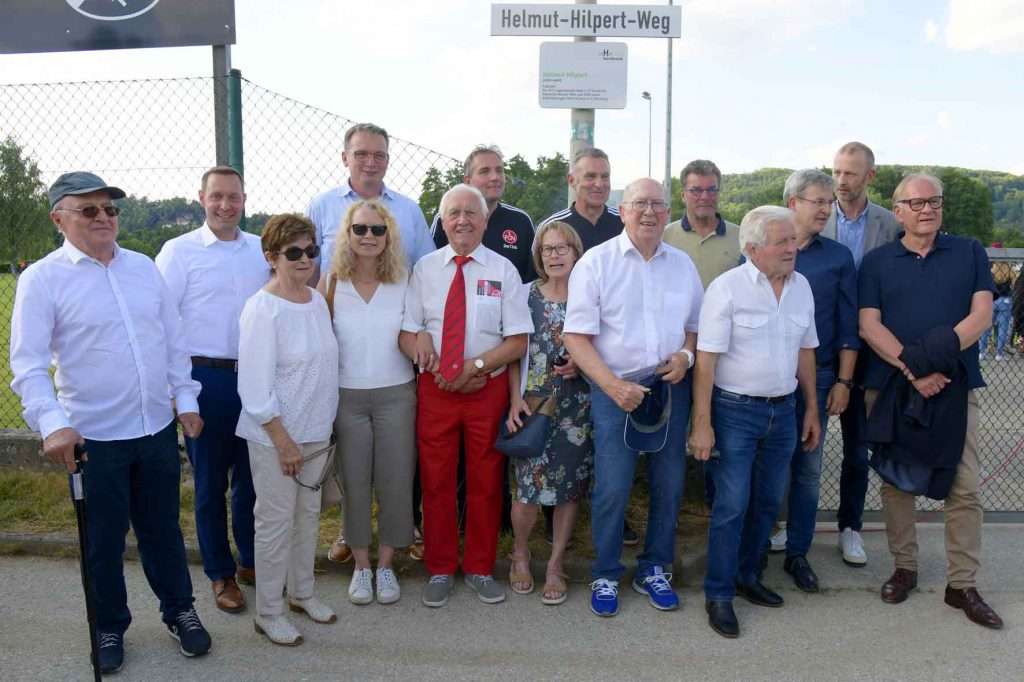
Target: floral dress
(562,473)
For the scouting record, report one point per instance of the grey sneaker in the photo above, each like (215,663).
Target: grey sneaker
(486,588)
(435,592)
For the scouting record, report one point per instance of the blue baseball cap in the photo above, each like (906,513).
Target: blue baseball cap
(80,182)
(646,427)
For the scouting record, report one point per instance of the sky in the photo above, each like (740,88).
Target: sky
(757,83)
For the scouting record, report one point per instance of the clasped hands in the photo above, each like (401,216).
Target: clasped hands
(427,360)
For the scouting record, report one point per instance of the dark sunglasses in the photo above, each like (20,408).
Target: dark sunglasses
(359,230)
(294,253)
(91,211)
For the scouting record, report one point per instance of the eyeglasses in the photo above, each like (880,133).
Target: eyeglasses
(817,203)
(697,191)
(92,211)
(359,229)
(379,157)
(294,253)
(917,205)
(656,205)
(560,249)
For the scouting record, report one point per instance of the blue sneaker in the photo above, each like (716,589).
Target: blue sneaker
(604,597)
(192,637)
(654,582)
(111,652)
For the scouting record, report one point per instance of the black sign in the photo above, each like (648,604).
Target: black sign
(71,25)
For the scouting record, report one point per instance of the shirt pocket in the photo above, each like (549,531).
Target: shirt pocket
(796,325)
(488,314)
(675,311)
(751,331)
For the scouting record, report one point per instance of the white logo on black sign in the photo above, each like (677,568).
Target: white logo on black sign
(112,10)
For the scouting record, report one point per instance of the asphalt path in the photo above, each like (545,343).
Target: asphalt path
(844,633)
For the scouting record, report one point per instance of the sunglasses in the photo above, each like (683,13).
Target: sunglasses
(359,229)
(91,211)
(294,253)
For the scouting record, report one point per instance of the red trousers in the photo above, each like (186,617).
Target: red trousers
(444,419)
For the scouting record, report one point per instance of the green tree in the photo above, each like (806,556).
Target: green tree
(968,207)
(27,232)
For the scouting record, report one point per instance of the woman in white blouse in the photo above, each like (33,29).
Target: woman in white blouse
(376,423)
(287,374)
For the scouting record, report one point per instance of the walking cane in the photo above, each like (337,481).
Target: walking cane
(78,498)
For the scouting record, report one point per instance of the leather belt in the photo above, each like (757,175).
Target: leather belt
(215,363)
(773,400)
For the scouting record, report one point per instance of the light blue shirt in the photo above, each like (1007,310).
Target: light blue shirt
(850,233)
(327,210)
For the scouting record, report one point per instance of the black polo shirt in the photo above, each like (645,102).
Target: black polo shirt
(608,225)
(509,232)
(916,294)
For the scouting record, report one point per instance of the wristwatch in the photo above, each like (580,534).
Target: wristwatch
(478,365)
(845,382)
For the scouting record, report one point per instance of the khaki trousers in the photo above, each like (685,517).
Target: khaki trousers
(962,510)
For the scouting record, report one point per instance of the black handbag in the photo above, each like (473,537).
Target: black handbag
(530,439)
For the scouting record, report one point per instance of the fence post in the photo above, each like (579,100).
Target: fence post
(221,68)
(235,147)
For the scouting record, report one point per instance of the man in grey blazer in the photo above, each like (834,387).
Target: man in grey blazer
(862,226)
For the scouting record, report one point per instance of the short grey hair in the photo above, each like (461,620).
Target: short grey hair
(754,228)
(700,167)
(463,187)
(630,189)
(467,165)
(798,182)
(371,128)
(588,153)
(854,147)
(897,193)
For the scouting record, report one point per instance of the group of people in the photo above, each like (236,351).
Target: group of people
(357,342)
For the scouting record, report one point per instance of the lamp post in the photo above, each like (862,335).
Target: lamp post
(650,142)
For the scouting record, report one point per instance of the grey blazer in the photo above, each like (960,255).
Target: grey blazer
(881,228)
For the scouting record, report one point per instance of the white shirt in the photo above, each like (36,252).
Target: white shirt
(758,336)
(496,299)
(287,368)
(209,281)
(115,338)
(638,312)
(367,334)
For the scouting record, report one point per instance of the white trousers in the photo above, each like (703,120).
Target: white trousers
(287,526)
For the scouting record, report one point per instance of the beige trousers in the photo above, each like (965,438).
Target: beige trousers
(962,510)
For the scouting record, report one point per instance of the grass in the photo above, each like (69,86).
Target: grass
(10,406)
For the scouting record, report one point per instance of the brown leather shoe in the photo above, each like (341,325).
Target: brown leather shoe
(897,588)
(416,548)
(246,576)
(339,551)
(974,606)
(227,595)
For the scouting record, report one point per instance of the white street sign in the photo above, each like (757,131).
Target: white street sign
(583,75)
(600,21)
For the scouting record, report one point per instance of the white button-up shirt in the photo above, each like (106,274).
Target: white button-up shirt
(115,338)
(496,299)
(758,336)
(637,311)
(367,332)
(209,281)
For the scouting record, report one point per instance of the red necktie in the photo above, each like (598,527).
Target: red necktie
(453,331)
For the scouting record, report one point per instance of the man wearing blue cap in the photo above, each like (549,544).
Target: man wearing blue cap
(102,315)
(630,325)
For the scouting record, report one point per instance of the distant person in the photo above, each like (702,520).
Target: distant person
(509,229)
(1002,311)
(288,385)
(861,225)
(924,302)
(104,317)
(210,273)
(589,214)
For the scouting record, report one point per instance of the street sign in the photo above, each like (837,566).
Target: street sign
(597,21)
(71,25)
(583,75)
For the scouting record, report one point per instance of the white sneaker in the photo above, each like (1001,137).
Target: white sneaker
(852,547)
(778,541)
(388,591)
(278,629)
(317,611)
(360,589)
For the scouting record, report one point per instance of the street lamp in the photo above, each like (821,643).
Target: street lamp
(650,104)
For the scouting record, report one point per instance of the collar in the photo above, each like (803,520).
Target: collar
(942,241)
(863,214)
(604,211)
(479,254)
(816,240)
(207,237)
(347,191)
(755,275)
(719,229)
(626,245)
(76,255)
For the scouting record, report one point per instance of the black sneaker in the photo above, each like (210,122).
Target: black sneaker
(111,653)
(190,633)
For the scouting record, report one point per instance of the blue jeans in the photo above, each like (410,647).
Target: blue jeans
(136,480)
(614,466)
(215,455)
(754,444)
(853,475)
(805,473)
(1002,313)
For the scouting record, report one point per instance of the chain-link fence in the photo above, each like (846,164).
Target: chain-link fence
(155,138)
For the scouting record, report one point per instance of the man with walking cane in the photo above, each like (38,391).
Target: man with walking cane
(102,316)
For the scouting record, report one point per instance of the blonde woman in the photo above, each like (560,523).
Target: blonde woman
(376,421)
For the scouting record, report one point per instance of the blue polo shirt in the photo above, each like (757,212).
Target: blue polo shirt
(916,294)
(828,267)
